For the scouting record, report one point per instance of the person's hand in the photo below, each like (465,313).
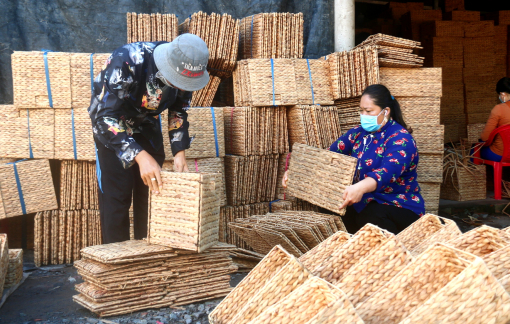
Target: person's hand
(150,171)
(180,164)
(354,193)
(285,179)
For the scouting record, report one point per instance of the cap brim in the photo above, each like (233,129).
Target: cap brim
(178,80)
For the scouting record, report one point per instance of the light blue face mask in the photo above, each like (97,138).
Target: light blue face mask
(369,123)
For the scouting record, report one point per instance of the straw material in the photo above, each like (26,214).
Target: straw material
(426,231)
(283,166)
(303,304)
(280,82)
(481,241)
(15,269)
(420,281)
(283,283)
(151,27)
(348,113)
(60,235)
(412,82)
(4,260)
(429,138)
(272,263)
(255,130)
(74,142)
(418,111)
(230,213)
(430,167)
(250,179)
(271,35)
(336,171)
(336,265)
(221,34)
(205,165)
(185,214)
(341,311)
(313,258)
(33,131)
(202,129)
(292,203)
(313,125)
(81,75)
(374,271)
(474,132)
(204,97)
(136,276)
(459,180)
(36,186)
(430,191)
(296,231)
(351,72)
(29,79)
(78,185)
(498,262)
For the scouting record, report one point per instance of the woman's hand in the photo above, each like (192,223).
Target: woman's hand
(150,171)
(180,164)
(285,179)
(354,193)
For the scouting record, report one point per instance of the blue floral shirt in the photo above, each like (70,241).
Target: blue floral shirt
(388,155)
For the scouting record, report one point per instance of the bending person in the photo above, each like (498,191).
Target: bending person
(385,191)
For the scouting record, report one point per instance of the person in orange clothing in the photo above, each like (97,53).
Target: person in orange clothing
(500,115)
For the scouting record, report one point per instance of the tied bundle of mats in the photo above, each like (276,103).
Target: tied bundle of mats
(133,275)
(271,35)
(353,279)
(298,232)
(221,34)
(151,27)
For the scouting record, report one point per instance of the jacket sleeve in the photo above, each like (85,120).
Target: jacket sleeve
(106,112)
(178,125)
(344,143)
(492,123)
(397,156)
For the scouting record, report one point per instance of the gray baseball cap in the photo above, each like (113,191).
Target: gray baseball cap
(183,62)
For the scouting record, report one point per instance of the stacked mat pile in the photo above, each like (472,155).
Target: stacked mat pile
(348,113)
(275,82)
(26,187)
(4,260)
(221,34)
(205,96)
(59,235)
(297,231)
(255,130)
(350,72)
(336,172)
(124,277)
(271,35)
(78,185)
(418,92)
(394,51)
(412,20)
(151,27)
(315,126)
(353,279)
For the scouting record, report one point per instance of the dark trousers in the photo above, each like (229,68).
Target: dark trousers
(116,188)
(390,218)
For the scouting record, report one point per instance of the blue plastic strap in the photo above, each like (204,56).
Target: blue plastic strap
(98,170)
(251,44)
(74,134)
(311,83)
(92,74)
(272,78)
(47,71)
(215,132)
(271,202)
(31,154)
(20,191)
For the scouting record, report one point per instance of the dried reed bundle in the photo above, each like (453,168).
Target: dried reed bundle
(151,28)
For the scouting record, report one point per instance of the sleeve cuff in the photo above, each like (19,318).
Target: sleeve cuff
(127,157)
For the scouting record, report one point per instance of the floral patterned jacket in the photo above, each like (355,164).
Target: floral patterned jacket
(128,98)
(390,157)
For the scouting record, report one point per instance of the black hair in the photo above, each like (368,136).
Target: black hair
(503,85)
(382,97)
